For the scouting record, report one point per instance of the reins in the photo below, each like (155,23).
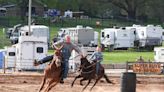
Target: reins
(87,68)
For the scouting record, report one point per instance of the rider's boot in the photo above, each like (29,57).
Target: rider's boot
(36,63)
(61,81)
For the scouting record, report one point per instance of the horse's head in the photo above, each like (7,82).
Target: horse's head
(58,58)
(84,61)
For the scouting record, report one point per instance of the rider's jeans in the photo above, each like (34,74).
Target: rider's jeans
(97,67)
(45,59)
(65,69)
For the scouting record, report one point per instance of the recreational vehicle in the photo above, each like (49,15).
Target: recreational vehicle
(115,38)
(147,36)
(80,35)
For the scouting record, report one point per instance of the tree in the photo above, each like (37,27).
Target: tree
(129,6)
(155,10)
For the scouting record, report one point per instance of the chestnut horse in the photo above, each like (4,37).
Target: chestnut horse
(88,72)
(52,73)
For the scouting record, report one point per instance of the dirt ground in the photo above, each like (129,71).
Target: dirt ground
(31,83)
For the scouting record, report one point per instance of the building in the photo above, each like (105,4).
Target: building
(38,9)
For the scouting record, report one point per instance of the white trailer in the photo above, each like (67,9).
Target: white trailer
(149,35)
(159,54)
(80,35)
(74,61)
(28,48)
(10,56)
(37,31)
(115,38)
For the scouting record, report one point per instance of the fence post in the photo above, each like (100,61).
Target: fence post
(4,66)
(127,66)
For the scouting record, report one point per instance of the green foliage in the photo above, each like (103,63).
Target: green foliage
(3,40)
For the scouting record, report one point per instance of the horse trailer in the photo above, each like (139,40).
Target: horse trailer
(37,31)
(10,57)
(115,38)
(29,47)
(80,35)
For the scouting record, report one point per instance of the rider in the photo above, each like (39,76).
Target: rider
(66,50)
(98,57)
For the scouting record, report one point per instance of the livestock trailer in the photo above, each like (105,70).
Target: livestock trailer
(10,56)
(80,35)
(29,48)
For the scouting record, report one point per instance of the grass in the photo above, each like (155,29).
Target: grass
(124,56)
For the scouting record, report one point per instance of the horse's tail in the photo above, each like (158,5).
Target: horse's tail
(106,77)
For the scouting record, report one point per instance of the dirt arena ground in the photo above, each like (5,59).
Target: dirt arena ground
(31,82)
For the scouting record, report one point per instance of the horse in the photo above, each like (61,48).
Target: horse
(52,73)
(88,72)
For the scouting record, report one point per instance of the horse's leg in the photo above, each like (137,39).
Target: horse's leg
(52,85)
(81,81)
(79,76)
(95,83)
(87,84)
(106,78)
(43,82)
(49,83)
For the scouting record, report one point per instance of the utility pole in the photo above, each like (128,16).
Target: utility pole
(29,16)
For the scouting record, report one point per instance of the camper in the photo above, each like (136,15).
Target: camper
(80,35)
(117,38)
(159,54)
(147,36)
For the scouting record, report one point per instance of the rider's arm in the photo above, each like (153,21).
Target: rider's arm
(57,44)
(76,48)
(92,57)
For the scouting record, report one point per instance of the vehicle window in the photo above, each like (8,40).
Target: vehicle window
(39,50)
(11,53)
